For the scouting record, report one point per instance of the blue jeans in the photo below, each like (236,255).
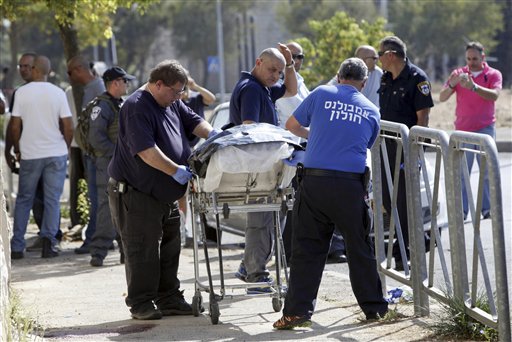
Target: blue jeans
(52,170)
(90,171)
(470,157)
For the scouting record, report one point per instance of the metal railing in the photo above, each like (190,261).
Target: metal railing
(444,276)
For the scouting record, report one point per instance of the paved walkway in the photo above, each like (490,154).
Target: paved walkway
(76,302)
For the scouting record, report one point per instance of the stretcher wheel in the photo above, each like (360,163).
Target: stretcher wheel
(214,312)
(277,304)
(197,303)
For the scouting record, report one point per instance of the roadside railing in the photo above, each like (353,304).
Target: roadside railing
(444,275)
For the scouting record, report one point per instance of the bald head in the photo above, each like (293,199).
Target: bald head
(272,53)
(297,54)
(41,69)
(368,54)
(269,66)
(79,70)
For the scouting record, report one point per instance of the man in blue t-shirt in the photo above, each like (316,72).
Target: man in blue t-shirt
(340,123)
(147,177)
(253,101)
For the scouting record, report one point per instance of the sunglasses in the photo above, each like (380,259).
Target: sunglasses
(382,53)
(298,56)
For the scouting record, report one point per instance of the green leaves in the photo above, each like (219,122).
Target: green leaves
(334,40)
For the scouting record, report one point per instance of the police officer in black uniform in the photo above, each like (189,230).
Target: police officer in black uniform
(102,137)
(404,97)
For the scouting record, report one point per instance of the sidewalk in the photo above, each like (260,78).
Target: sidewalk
(76,302)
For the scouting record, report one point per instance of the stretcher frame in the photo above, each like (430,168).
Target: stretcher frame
(278,200)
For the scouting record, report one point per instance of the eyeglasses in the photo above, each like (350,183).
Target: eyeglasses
(382,53)
(21,66)
(123,79)
(371,57)
(176,92)
(298,56)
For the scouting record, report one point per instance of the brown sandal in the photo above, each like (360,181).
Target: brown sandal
(290,322)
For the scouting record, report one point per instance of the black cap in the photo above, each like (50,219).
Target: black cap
(116,72)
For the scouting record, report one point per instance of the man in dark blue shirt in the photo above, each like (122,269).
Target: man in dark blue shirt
(405,97)
(253,101)
(340,124)
(147,177)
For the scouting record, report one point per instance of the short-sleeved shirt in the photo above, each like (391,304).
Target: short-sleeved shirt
(91,90)
(473,112)
(343,124)
(251,100)
(402,97)
(104,126)
(41,105)
(144,124)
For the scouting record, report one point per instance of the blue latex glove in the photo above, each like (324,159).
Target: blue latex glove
(214,132)
(182,175)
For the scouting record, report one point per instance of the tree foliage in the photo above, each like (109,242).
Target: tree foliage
(445,26)
(333,40)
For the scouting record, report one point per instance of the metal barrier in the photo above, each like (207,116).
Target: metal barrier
(499,316)
(449,280)
(399,135)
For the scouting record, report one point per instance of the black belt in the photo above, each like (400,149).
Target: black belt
(332,173)
(120,187)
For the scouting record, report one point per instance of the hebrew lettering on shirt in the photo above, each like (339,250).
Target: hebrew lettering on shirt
(348,112)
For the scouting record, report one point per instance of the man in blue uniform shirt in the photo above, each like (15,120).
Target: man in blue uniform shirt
(404,97)
(253,101)
(147,177)
(340,123)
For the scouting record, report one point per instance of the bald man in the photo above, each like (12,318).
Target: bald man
(42,150)
(370,57)
(253,101)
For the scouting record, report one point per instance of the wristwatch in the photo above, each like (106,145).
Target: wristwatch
(292,63)
(475,87)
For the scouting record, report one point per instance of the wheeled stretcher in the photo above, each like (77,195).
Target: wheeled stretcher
(240,171)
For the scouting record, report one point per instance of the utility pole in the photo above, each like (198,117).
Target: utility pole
(220,50)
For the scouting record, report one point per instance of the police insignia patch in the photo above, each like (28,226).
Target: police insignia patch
(424,88)
(95,112)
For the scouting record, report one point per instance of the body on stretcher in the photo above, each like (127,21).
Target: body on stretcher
(241,178)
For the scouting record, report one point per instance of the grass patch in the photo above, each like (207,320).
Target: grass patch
(453,322)
(22,327)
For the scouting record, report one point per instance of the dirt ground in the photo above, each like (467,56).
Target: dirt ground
(442,115)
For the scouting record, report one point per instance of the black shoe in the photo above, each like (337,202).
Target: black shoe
(176,305)
(96,261)
(84,249)
(121,257)
(486,215)
(112,247)
(399,265)
(146,312)
(48,251)
(17,255)
(36,246)
(375,316)
(336,258)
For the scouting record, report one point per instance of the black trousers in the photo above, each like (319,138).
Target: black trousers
(401,205)
(150,234)
(322,203)
(76,171)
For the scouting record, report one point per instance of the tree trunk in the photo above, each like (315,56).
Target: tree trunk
(71,49)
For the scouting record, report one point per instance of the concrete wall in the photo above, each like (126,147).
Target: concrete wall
(5,263)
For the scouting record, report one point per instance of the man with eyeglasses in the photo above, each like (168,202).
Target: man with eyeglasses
(370,57)
(404,97)
(102,137)
(80,164)
(148,174)
(477,87)
(253,101)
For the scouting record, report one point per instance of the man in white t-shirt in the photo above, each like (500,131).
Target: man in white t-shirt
(41,148)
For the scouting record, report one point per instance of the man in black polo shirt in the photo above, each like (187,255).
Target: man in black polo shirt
(148,176)
(404,97)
